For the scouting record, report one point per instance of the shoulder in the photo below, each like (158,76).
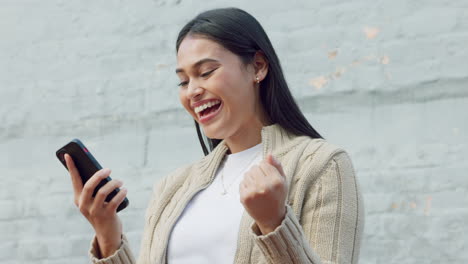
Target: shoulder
(173,179)
(320,148)
(317,148)
(319,155)
(322,166)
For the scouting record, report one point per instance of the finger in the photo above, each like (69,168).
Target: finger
(269,170)
(244,190)
(247,180)
(257,181)
(275,163)
(117,200)
(105,190)
(91,184)
(250,180)
(260,178)
(263,181)
(75,175)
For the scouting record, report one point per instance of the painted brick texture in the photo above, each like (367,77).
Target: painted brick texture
(387,80)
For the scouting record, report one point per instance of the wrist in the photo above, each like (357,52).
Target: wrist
(107,247)
(270,226)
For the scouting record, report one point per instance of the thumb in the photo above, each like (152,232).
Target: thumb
(275,163)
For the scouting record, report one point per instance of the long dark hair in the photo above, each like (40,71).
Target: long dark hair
(240,33)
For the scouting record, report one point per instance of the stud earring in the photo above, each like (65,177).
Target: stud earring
(256,78)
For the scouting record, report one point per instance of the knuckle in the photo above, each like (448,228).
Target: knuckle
(243,183)
(101,193)
(267,168)
(277,184)
(249,197)
(96,174)
(113,203)
(83,210)
(272,170)
(243,199)
(257,194)
(87,187)
(92,212)
(102,175)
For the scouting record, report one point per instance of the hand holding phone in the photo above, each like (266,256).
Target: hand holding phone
(92,192)
(87,166)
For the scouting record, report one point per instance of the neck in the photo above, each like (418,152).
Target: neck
(245,137)
(243,140)
(249,134)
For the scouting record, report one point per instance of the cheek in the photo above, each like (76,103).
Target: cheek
(183,100)
(232,87)
(241,96)
(182,97)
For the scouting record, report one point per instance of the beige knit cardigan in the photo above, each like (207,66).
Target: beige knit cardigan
(324,218)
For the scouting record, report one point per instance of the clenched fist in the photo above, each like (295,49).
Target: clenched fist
(263,193)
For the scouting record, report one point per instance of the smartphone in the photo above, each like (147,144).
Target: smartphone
(87,165)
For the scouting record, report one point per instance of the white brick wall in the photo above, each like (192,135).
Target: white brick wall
(387,80)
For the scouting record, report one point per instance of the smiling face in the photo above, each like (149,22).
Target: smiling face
(218,89)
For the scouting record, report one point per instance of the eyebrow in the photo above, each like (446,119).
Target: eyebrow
(197,64)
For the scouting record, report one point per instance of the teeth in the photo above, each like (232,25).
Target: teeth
(205,106)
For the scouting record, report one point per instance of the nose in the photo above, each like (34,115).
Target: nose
(194,90)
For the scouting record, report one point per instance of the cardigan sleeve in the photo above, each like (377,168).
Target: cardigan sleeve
(329,226)
(121,256)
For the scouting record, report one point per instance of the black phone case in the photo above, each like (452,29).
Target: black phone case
(87,165)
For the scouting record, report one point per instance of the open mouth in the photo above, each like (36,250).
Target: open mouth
(208,110)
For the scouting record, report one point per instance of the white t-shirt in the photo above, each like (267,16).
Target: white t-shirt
(207,230)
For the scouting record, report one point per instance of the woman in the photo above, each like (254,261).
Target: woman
(270,190)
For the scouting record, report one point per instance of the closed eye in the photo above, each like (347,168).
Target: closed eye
(205,74)
(182,84)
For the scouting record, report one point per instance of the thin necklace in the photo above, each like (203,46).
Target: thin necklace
(225,189)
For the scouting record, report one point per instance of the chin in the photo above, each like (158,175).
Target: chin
(213,132)
(211,135)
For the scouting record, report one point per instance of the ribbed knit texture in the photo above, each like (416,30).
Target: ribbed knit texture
(324,219)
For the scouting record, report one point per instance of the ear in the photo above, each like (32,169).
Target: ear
(260,63)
